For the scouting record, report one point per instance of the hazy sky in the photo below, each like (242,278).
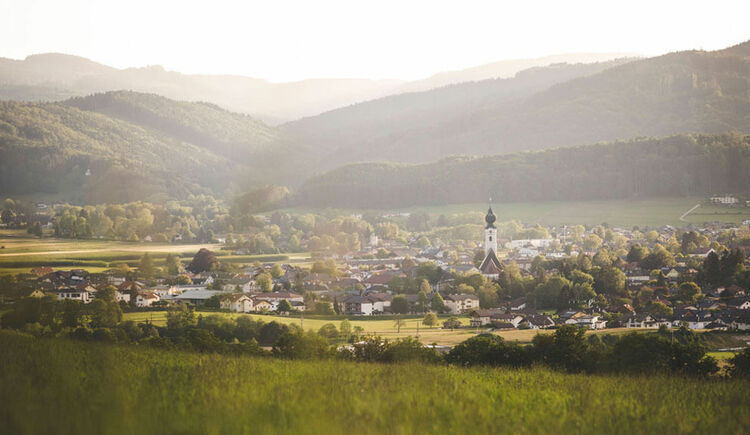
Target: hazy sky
(284,40)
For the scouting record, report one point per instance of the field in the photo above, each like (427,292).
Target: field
(21,253)
(626,213)
(60,386)
(383,327)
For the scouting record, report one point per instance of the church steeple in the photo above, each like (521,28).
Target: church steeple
(490,233)
(490,218)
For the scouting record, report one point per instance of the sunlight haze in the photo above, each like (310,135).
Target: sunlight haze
(293,40)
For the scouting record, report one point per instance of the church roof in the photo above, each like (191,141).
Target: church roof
(491,265)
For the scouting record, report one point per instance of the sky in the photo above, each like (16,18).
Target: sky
(283,40)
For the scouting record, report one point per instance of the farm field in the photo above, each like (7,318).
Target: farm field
(136,389)
(21,253)
(627,213)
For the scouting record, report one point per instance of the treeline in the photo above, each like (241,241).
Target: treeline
(672,166)
(568,349)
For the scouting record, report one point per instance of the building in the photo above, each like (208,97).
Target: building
(461,303)
(491,266)
(238,303)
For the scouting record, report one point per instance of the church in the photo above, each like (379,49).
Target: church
(491,266)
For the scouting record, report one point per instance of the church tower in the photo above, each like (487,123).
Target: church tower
(490,233)
(491,266)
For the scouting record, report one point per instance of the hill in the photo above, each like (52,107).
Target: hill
(55,77)
(687,165)
(123,146)
(685,92)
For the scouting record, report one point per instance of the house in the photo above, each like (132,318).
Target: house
(83,293)
(495,317)
(263,306)
(146,299)
(197,296)
(275,297)
(739,303)
(358,305)
(518,304)
(244,284)
(122,296)
(589,322)
(643,321)
(538,322)
(237,303)
(461,303)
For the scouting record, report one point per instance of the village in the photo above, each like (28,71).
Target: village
(594,278)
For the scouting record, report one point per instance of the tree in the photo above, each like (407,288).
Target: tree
(265,282)
(203,261)
(276,271)
(173,265)
(452,323)
(488,295)
(688,292)
(661,310)
(592,242)
(637,253)
(430,319)
(548,293)
(284,306)
(345,329)
(398,322)
(146,266)
(437,304)
(328,331)
(399,304)
(422,300)
(610,281)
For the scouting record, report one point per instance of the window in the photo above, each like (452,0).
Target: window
(490,238)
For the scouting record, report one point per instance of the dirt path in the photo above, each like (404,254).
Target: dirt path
(684,215)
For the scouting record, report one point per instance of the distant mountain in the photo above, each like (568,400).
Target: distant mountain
(505,69)
(541,108)
(123,146)
(55,77)
(686,165)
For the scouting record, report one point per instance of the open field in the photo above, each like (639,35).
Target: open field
(136,389)
(627,213)
(21,253)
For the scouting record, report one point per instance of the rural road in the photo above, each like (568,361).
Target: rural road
(684,215)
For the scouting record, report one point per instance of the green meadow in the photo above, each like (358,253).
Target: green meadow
(626,212)
(63,386)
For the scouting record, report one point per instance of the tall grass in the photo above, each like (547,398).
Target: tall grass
(61,386)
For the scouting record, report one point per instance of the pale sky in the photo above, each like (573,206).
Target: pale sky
(282,40)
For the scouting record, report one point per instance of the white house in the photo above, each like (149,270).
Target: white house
(146,299)
(462,303)
(238,303)
(84,295)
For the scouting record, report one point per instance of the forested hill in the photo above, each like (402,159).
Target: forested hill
(672,166)
(126,146)
(685,92)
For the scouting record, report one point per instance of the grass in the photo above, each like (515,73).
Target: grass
(61,386)
(626,213)
(22,253)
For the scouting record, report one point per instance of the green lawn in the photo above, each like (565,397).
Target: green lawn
(61,386)
(627,213)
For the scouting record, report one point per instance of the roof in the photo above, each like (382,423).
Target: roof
(198,294)
(491,265)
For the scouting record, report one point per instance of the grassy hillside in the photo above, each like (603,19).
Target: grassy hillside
(685,92)
(135,146)
(75,387)
(678,166)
